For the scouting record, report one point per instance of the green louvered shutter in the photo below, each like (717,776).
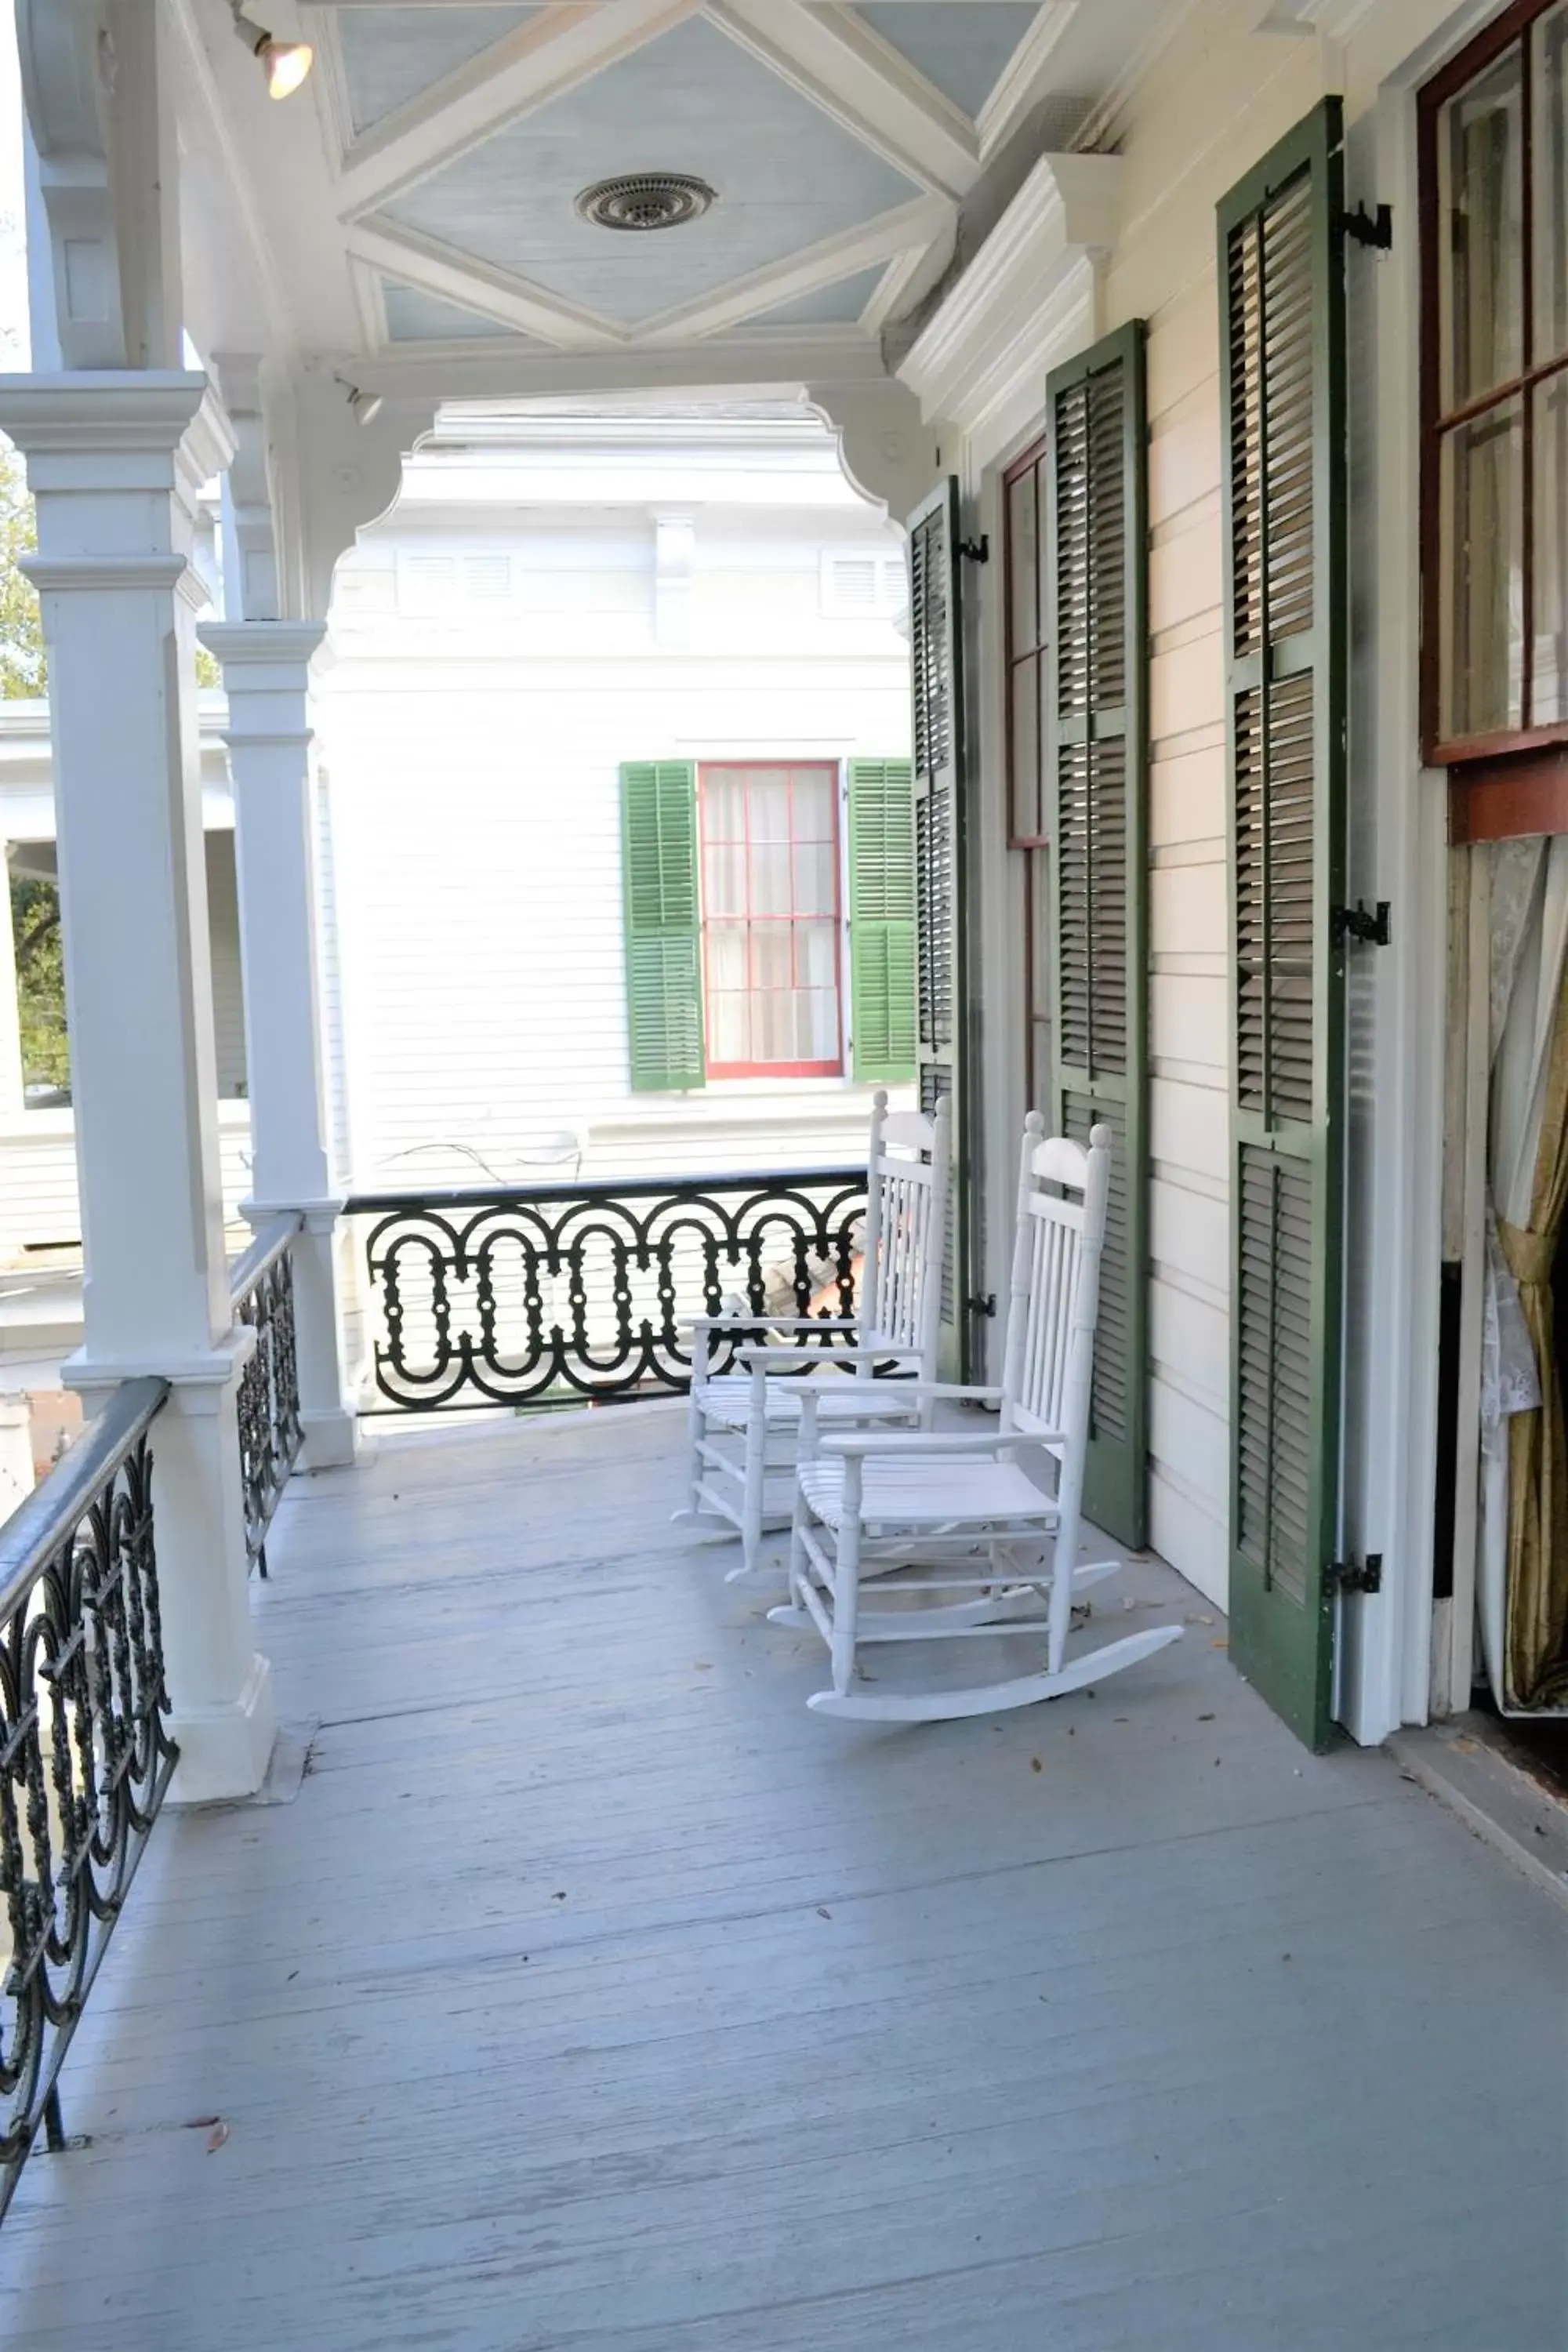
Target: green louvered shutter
(663,942)
(882,919)
(1281,274)
(1097,735)
(941,1008)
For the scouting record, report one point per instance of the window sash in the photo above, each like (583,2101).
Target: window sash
(772,916)
(1489,540)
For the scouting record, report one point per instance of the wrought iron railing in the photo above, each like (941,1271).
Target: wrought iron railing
(85,1755)
(261,1289)
(547,1297)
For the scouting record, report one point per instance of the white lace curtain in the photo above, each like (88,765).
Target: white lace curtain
(1529,944)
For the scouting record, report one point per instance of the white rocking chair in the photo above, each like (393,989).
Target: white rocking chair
(742,1427)
(940,1511)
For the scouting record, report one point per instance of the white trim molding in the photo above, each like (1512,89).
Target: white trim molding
(1029,298)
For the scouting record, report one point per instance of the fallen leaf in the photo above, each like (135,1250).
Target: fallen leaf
(1222,1644)
(558,1898)
(293,1974)
(1036,1765)
(1284,1956)
(217,2138)
(823,1912)
(1072,1731)
(703,1665)
(1121,1718)
(202,2123)
(1467,1747)
(1205,1719)
(1539,1831)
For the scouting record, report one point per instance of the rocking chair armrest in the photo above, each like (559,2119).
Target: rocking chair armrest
(764,1354)
(936,1441)
(763,1320)
(950,1392)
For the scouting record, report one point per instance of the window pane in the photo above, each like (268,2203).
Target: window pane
(1479,226)
(818,1026)
(724,805)
(772,885)
(1025,753)
(814,877)
(767,803)
(1548,163)
(1482,530)
(813,954)
(1024,615)
(771,955)
(725,877)
(1551,696)
(812,792)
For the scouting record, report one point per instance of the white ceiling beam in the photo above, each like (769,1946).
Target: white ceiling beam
(908,227)
(1027,77)
(853,75)
(549,54)
(904,277)
(762,364)
(516,306)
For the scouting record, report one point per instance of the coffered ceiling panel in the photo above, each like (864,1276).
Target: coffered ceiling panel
(692,100)
(415,317)
(392,55)
(829,306)
(960,50)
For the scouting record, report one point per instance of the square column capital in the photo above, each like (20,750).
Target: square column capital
(265,653)
(118,429)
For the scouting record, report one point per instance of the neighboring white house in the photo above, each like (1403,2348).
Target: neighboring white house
(574,646)
(584,664)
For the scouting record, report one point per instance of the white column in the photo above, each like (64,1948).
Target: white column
(116,460)
(266,675)
(11,1099)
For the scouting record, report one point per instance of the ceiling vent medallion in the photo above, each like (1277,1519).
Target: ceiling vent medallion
(646,200)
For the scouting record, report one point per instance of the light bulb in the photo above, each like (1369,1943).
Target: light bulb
(285,64)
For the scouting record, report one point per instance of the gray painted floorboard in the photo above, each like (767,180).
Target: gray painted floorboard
(594,1997)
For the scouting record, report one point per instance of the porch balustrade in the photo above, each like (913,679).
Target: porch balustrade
(86,1755)
(261,1286)
(485,1296)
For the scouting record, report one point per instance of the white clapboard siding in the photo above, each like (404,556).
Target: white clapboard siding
(473,867)
(39,1208)
(228,994)
(1163,271)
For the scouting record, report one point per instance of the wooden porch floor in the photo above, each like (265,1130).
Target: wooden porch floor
(592,1994)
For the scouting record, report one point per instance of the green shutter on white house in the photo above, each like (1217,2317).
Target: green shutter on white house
(936,644)
(1281,274)
(1096,736)
(882,919)
(662,924)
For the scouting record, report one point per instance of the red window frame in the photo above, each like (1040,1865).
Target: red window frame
(832,1068)
(1025,670)
(1515,778)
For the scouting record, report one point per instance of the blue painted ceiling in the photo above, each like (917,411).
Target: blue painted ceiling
(960,50)
(829,306)
(415,317)
(692,100)
(391,55)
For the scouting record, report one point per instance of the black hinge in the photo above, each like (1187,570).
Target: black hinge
(1375,229)
(985,1305)
(1362,923)
(977,549)
(1345,1576)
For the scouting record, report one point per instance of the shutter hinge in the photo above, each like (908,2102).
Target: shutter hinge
(1363,923)
(977,549)
(1345,1576)
(1375,229)
(982,1304)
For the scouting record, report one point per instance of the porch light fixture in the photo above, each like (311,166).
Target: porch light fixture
(366,406)
(284,63)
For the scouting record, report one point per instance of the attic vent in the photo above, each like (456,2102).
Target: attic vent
(645,200)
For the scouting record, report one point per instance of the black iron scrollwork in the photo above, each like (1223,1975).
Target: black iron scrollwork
(494,1297)
(85,1754)
(271,1432)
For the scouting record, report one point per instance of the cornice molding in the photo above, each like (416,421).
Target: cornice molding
(1023,300)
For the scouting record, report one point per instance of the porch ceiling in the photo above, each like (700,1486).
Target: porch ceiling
(412,210)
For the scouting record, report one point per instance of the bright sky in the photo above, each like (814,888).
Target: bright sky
(13,205)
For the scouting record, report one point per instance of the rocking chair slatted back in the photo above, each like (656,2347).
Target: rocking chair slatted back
(1055,1297)
(906,1221)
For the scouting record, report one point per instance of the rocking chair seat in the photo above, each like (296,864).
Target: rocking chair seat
(939,1492)
(727,1399)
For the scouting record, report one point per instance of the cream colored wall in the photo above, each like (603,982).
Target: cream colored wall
(1215,73)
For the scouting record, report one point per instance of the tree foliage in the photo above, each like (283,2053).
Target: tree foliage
(23,668)
(40,980)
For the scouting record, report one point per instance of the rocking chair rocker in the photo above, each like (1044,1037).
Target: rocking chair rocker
(938,1510)
(742,1427)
